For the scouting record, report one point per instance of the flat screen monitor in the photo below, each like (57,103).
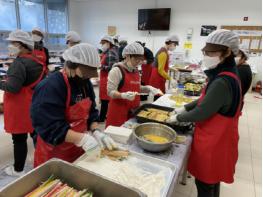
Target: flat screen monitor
(154,19)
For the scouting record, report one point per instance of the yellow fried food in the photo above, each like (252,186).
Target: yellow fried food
(193,87)
(180,99)
(143,114)
(155,139)
(154,114)
(157,110)
(161,117)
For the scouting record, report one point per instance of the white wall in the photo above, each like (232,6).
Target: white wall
(91,17)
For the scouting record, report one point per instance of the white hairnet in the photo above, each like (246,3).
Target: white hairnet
(133,49)
(123,39)
(39,30)
(83,53)
(226,38)
(245,50)
(173,38)
(73,36)
(108,38)
(117,37)
(21,36)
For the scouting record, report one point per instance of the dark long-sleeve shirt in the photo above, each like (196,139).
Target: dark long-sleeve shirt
(112,57)
(218,98)
(47,55)
(148,54)
(22,72)
(40,46)
(49,104)
(245,75)
(222,96)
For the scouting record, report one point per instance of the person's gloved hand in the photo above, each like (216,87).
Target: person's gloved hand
(178,110)
(172,119)
(128,95)
(154,90)
(105,140)
(173,83)
(91,146)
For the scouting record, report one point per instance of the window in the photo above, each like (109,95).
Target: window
(31,14)
(56,39)
(7,15)
(57,16)
(48,15)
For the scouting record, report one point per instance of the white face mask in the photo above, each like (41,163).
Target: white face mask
(172,48)
(36,38)
(13,50)
(104,47)
(237,59)
(210,62)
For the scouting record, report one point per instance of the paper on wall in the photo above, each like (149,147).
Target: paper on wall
(245,43)
(254,44)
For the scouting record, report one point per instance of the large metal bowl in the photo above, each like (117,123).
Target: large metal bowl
(155,129)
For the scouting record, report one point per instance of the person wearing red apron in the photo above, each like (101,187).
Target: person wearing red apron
(147,64)
(39,50)
(109,57)
(124,85)
(159,73)
(214,150)
(64,110)
(124,107)
(18,96)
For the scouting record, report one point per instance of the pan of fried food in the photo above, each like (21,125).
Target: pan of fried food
(153,113)
(192,89)
(159,114)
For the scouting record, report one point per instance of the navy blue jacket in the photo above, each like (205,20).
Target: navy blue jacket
(49,104)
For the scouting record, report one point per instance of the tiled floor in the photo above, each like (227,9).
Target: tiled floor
(248,170)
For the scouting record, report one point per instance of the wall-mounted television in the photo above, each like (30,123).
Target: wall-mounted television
(154,19)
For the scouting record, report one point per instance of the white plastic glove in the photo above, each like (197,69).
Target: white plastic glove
(128,95)
(178,110)
(173,83)
(154,90)
(105,140)
(91,146)
(172,119)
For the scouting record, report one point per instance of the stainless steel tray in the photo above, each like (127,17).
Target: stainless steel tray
(70,174)
(149,164)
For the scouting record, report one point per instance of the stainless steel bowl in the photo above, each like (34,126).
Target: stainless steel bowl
(155,129)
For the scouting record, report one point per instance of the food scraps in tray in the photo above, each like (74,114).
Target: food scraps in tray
(56,188)
(155,139)
(115,154)
(154,114)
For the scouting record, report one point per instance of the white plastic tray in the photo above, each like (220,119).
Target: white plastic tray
(148,165)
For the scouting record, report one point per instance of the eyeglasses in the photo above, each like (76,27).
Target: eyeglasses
(138,57)
(212,53)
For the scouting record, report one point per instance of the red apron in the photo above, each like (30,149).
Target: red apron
(103,80)
(17,118)
(146,73)
(214,151)
(41,55)
(119,109)
(156,80)
(77,116)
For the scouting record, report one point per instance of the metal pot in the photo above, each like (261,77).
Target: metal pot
(155,129)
